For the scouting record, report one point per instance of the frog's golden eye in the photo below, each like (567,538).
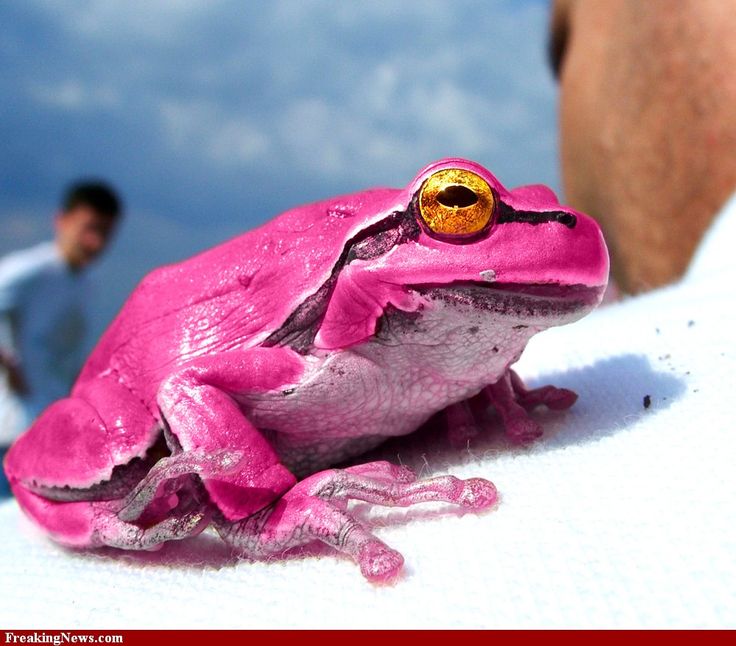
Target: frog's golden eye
(456,202)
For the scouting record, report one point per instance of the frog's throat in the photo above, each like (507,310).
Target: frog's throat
(543,305)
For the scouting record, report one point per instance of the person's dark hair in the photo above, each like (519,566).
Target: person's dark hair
(98,195)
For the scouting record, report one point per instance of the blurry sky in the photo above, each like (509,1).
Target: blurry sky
(211,117)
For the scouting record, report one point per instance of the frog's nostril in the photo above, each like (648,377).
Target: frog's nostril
(457,196)
(568,219)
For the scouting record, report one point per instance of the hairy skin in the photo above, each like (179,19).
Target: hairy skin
(647,126)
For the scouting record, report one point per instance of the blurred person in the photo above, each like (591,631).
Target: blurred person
(43,308)
(647,125)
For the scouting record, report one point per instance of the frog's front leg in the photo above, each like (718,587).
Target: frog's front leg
(513,401)
(315,510)
(519,426)
(198,403)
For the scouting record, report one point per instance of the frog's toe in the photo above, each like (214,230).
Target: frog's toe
(379,563)
(340,485)
(523,430)
(478,494)
(383,470)
(96,524)
(170,474)
(560,398)
(550,396)
(316,509)
(303,519)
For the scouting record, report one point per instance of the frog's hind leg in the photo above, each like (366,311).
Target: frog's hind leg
(188,517)
(315,510)
(169,503)
(89,524)
(169,476)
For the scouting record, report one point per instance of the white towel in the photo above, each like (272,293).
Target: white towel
(620,516)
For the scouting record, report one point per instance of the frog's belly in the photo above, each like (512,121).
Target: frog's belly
(350,401)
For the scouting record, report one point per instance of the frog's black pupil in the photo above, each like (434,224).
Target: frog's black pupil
(457,196)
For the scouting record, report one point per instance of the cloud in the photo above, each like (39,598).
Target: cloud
(72,94)
(143,20)
(227,112)
(212,131)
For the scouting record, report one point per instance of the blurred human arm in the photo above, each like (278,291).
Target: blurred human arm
(13,281)
(15,377)
(647,124)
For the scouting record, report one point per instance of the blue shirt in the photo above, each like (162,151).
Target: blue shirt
(43,321)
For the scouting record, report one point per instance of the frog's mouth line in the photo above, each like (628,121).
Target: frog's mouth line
(525,302)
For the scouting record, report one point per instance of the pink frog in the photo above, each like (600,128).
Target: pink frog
(300,345)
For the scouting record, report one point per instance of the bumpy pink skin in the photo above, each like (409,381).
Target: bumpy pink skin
(518,253)
(187,347)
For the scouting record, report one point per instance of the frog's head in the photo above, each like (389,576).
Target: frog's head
(455,235)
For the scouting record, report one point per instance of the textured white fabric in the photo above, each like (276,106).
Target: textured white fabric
(715,254)
(621,516)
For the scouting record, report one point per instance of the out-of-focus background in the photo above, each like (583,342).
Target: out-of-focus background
(211,117)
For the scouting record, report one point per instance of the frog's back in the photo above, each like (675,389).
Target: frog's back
(233,295)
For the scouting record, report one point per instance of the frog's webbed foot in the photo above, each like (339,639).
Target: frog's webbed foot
(513,401)
(187,518)
(316,510)
(169,476)
(168,504)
